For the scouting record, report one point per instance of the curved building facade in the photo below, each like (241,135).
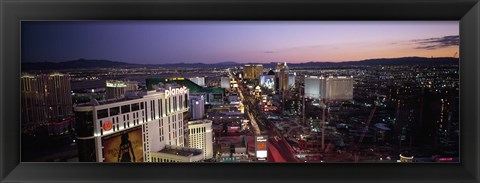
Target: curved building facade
(129,129)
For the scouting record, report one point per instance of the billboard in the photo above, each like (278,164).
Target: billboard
(126,146)
(261,147)
(267,81)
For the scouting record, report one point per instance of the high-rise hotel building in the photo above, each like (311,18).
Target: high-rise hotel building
(225,82)
(258,71)
(331,88)
(281,71)
(200,136)
(45,97)
(145,126)
(252,71)
(197,107)
(315,87)
(339,88)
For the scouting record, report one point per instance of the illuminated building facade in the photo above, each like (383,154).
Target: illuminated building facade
(200,136)
(200,81)
(291,80)
(281,71)
(315,87)
(212,96)
(225,82)
(136,128)
(267,81)
(258,71)
(177,154)
(339,88)
(45,97)
(249,71)
(261,147)
(405,158)
(117,89)
(331,88)
(252,71)
(197,107)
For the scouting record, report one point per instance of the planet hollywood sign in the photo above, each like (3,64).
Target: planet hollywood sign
(175,91)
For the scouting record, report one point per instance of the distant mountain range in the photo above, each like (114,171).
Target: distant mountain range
(87,64)
(383,61)
(80,64)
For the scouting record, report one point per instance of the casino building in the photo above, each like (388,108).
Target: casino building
(200,136)
(45,97)
(331,88)
(252,71)
(145,126)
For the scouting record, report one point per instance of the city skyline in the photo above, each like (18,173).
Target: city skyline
(399,105)
(163,42)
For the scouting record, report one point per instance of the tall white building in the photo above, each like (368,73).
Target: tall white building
(314,87)
(331,88)
(197,107)
(198,80)
(200,136)
(137,128)
(225,82)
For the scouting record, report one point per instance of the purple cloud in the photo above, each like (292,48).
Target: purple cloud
(436,43)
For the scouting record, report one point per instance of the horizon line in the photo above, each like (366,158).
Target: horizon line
(237,62)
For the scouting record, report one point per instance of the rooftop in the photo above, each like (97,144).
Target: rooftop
(180,151)
(128,96)
(205,121)
(329,77)
(193,87)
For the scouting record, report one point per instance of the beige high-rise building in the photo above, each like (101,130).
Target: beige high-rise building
(248,72)
(258,71)
(282,76)
(339,88)
(252,71)
(200,136)
(331,88)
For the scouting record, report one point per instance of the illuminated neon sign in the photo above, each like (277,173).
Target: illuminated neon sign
(175,91)
(107,126)
(116,84)
(261,147)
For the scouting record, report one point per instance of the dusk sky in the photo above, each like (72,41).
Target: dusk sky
(159,42)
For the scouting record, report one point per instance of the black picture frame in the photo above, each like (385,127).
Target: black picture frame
(12,12)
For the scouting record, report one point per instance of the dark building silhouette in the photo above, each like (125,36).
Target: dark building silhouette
(45,97)
(427,117)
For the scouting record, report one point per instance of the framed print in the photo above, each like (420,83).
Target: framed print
(239,90)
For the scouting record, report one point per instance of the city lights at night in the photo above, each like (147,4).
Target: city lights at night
(240,91)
